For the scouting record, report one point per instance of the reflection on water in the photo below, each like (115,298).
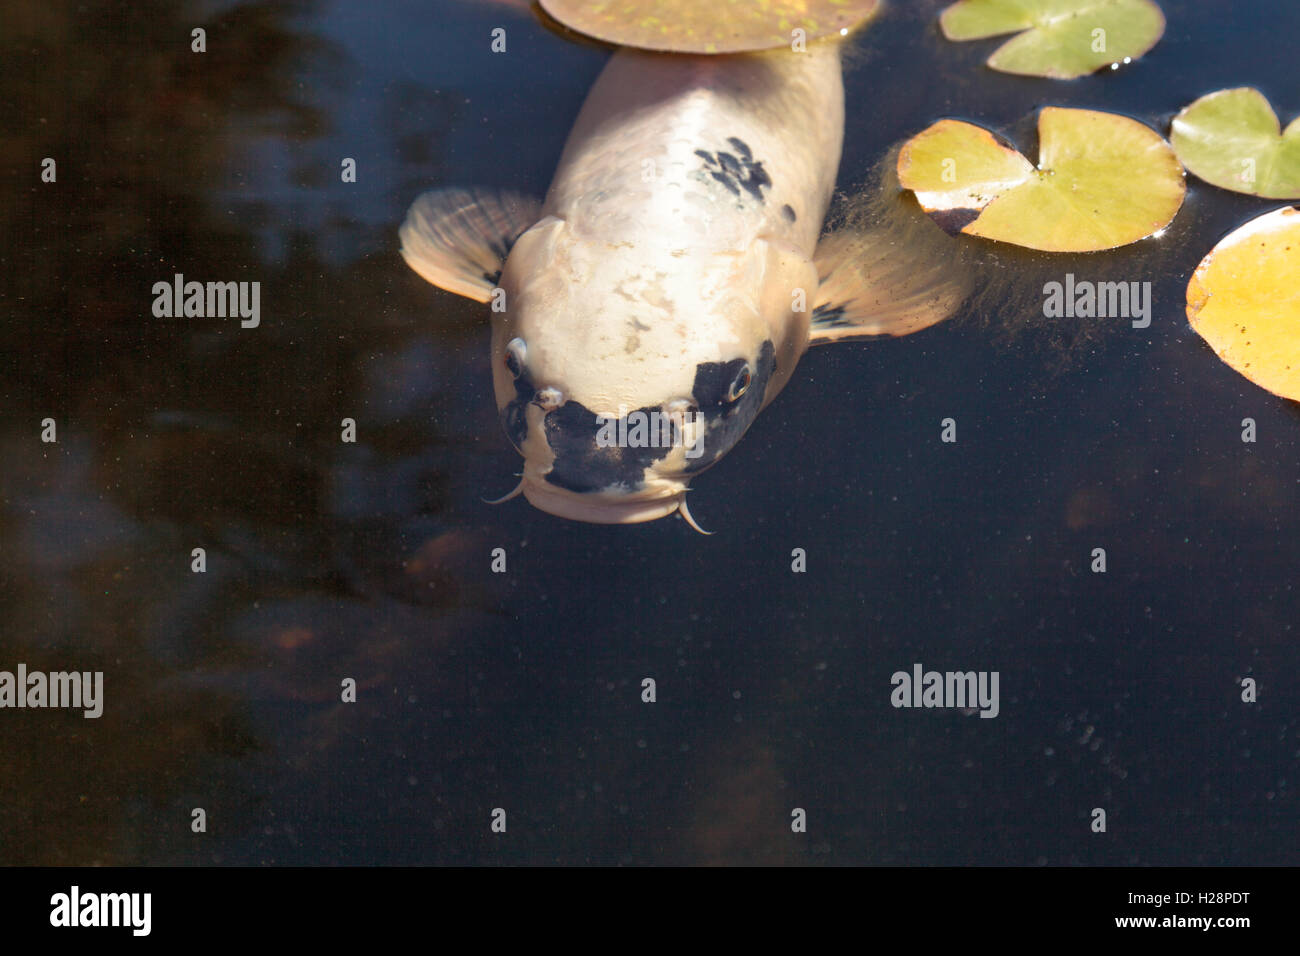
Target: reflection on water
(175,435)
(327,560)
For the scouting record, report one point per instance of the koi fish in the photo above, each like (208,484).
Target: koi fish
(664,292)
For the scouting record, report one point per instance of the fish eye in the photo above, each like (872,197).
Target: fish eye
(739,384)
(516,354)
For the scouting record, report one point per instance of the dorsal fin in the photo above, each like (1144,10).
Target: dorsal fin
(871,286)
(458,239)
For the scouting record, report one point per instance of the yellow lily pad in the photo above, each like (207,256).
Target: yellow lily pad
(716,26)
(1102,180)
(1244,301)
(1061,39)
(1233,139)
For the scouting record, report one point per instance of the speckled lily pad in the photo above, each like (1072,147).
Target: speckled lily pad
(1102,181)
(1061,39)
(1244,301)
(716,26)
(1233,139)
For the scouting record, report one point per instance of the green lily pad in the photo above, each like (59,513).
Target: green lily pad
(1102,181)
(718,26)
(1233,139)
(1062,39)
(1244,301)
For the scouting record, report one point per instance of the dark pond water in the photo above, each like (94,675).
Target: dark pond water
(522,690)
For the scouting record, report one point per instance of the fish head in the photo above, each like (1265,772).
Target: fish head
(621,370)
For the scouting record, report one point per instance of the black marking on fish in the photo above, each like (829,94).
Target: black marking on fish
(835,317)
(583,465)
(725,422)
(737,173)
(514,417)
(728,182)
(741,147)
(500,247)
(731,165)
(712,382)
(829,316)
(788,212)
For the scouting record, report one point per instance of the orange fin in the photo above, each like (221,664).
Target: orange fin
(871,286)
(458,239)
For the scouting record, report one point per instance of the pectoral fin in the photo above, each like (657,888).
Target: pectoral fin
(458,239)
(871,285)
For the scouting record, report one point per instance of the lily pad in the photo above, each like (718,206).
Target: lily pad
(1233,139)
(1102,181)
(718,26)
(1244,301)
(1062,39)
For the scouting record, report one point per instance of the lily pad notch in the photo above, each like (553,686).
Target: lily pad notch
(1234,140)
(1059,39)
(1102,180)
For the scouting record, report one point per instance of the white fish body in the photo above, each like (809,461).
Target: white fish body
(673,273)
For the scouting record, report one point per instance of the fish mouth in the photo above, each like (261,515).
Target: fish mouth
(604,507)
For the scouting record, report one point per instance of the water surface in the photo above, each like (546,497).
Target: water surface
(522,690)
